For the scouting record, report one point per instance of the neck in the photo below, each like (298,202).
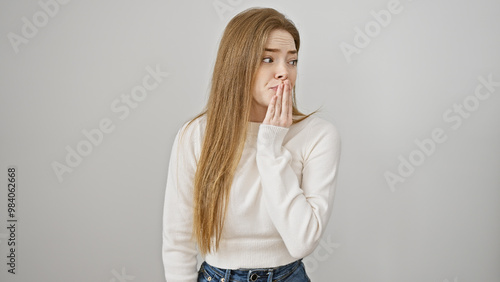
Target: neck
(257,114)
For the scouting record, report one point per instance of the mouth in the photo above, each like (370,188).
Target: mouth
(275,88)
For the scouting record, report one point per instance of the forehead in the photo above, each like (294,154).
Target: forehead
(280,39)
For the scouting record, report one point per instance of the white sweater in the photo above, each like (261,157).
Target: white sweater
(280,200)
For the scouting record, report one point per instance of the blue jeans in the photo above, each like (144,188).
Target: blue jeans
(293,272)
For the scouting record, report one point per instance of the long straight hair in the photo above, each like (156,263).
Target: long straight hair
(227,116)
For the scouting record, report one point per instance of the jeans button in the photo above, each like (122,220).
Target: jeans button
(253,277)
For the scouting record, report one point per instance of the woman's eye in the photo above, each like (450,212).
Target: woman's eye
(269,60)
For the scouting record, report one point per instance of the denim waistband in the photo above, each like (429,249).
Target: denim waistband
(253,274)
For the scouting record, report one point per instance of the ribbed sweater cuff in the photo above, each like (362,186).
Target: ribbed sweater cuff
(270,139)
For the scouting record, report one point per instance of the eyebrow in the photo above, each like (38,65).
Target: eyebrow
(277,50)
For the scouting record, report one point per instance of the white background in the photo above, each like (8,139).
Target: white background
(102,222)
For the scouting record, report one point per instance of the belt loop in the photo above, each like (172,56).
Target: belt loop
(270,277)
(228,275)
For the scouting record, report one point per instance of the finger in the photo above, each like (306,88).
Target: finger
(279,94)
(270,111)
(286,101)
(290,101)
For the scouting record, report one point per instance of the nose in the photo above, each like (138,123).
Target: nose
(281,71)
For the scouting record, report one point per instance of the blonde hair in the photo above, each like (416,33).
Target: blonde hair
(227,113)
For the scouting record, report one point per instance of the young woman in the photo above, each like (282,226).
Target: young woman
(251,179)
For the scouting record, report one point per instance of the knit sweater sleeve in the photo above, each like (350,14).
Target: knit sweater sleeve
(179,250)
(299,211)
